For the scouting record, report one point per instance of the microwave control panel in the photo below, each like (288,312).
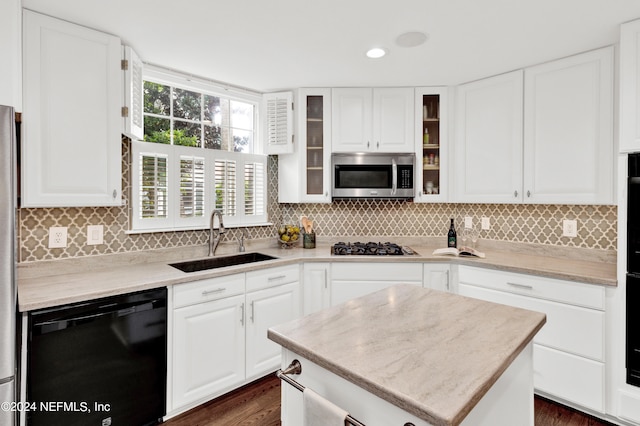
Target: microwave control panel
(405,176)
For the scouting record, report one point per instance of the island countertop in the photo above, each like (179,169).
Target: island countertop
(431,353)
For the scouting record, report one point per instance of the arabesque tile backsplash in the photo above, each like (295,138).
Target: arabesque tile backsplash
(541,224)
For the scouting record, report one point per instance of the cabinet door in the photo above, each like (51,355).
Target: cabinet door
(351,110)
(568,139)
(267,308)
(316,287)
(630,86)
(437,276)
(488,150)
(393,117)
(208,349)
(10,72)
(72,115)
(431,143)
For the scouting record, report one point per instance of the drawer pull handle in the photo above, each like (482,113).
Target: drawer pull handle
(527,287)
(277,277)
(217,290)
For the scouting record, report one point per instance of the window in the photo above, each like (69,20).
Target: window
(199,153)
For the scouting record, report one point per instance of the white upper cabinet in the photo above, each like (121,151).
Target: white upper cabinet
(71,144)
(488,149)
(630,86)
(561,152)
(372,120)
(351,109)
(568,130)
(432,143)
(305,175)
(278,113)
(133,94)
(10,79)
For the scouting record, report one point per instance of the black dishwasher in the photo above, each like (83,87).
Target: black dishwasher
(99,363)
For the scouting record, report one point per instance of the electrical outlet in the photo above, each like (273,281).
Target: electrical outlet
(95,235)
(486,224)
(58,237)
(468,222)
(570,228)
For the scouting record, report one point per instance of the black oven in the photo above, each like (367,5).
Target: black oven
(633,272)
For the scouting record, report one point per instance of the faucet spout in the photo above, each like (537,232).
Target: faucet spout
(214,241)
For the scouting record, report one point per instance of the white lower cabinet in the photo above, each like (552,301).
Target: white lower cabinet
(316,278)
(267,308)
(219,332)
(437,276)
(351,280)
(208,349)
(568,352)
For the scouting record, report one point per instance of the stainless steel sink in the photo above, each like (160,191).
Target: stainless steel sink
(221,262)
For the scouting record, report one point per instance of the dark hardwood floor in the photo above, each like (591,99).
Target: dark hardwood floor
(258,404)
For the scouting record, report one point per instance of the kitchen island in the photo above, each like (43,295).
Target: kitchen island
(411,355)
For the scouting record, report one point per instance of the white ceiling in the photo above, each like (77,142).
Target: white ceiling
(269,45)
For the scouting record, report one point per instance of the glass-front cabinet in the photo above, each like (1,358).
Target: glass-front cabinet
(305,175)
(431,144)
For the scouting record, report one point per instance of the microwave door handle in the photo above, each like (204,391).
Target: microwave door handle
(394,176)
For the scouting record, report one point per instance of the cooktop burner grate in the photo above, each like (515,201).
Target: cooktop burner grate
(368,249)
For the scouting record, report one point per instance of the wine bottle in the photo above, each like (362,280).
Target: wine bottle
(452,239)
(425,139)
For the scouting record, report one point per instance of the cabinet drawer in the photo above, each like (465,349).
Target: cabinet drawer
(400,272)
(273,276)
(206,290)
(569,328)
(569,377)
(574,293)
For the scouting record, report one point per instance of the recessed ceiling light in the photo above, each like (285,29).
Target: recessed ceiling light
(376,52)
(411,39)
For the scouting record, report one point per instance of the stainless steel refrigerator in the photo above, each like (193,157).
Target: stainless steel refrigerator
(8,294)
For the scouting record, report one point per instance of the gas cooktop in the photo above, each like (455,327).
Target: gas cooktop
(370,249)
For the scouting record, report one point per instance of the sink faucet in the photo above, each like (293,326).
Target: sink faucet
(243,235)
(213,242)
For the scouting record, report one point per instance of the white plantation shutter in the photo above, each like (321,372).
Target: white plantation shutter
(279,122)
(192,180)
(133,94)
(177,187)
(254,201)
(225,186)
(153,200)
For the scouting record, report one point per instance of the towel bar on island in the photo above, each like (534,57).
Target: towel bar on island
(296,368)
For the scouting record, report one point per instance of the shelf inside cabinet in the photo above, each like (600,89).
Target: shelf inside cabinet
(430,167)
(431,146)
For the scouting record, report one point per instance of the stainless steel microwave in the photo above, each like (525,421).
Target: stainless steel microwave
(373,175)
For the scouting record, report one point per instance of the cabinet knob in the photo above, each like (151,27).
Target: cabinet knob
(115,194)
(528,193)
(367,144)
(515,194)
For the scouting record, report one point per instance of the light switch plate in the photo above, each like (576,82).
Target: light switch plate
(58,237)
(570,228)
(468,222)
(486,224)
(95,235)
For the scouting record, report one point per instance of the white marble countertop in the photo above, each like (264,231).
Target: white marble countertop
(433,354)
(46,284)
